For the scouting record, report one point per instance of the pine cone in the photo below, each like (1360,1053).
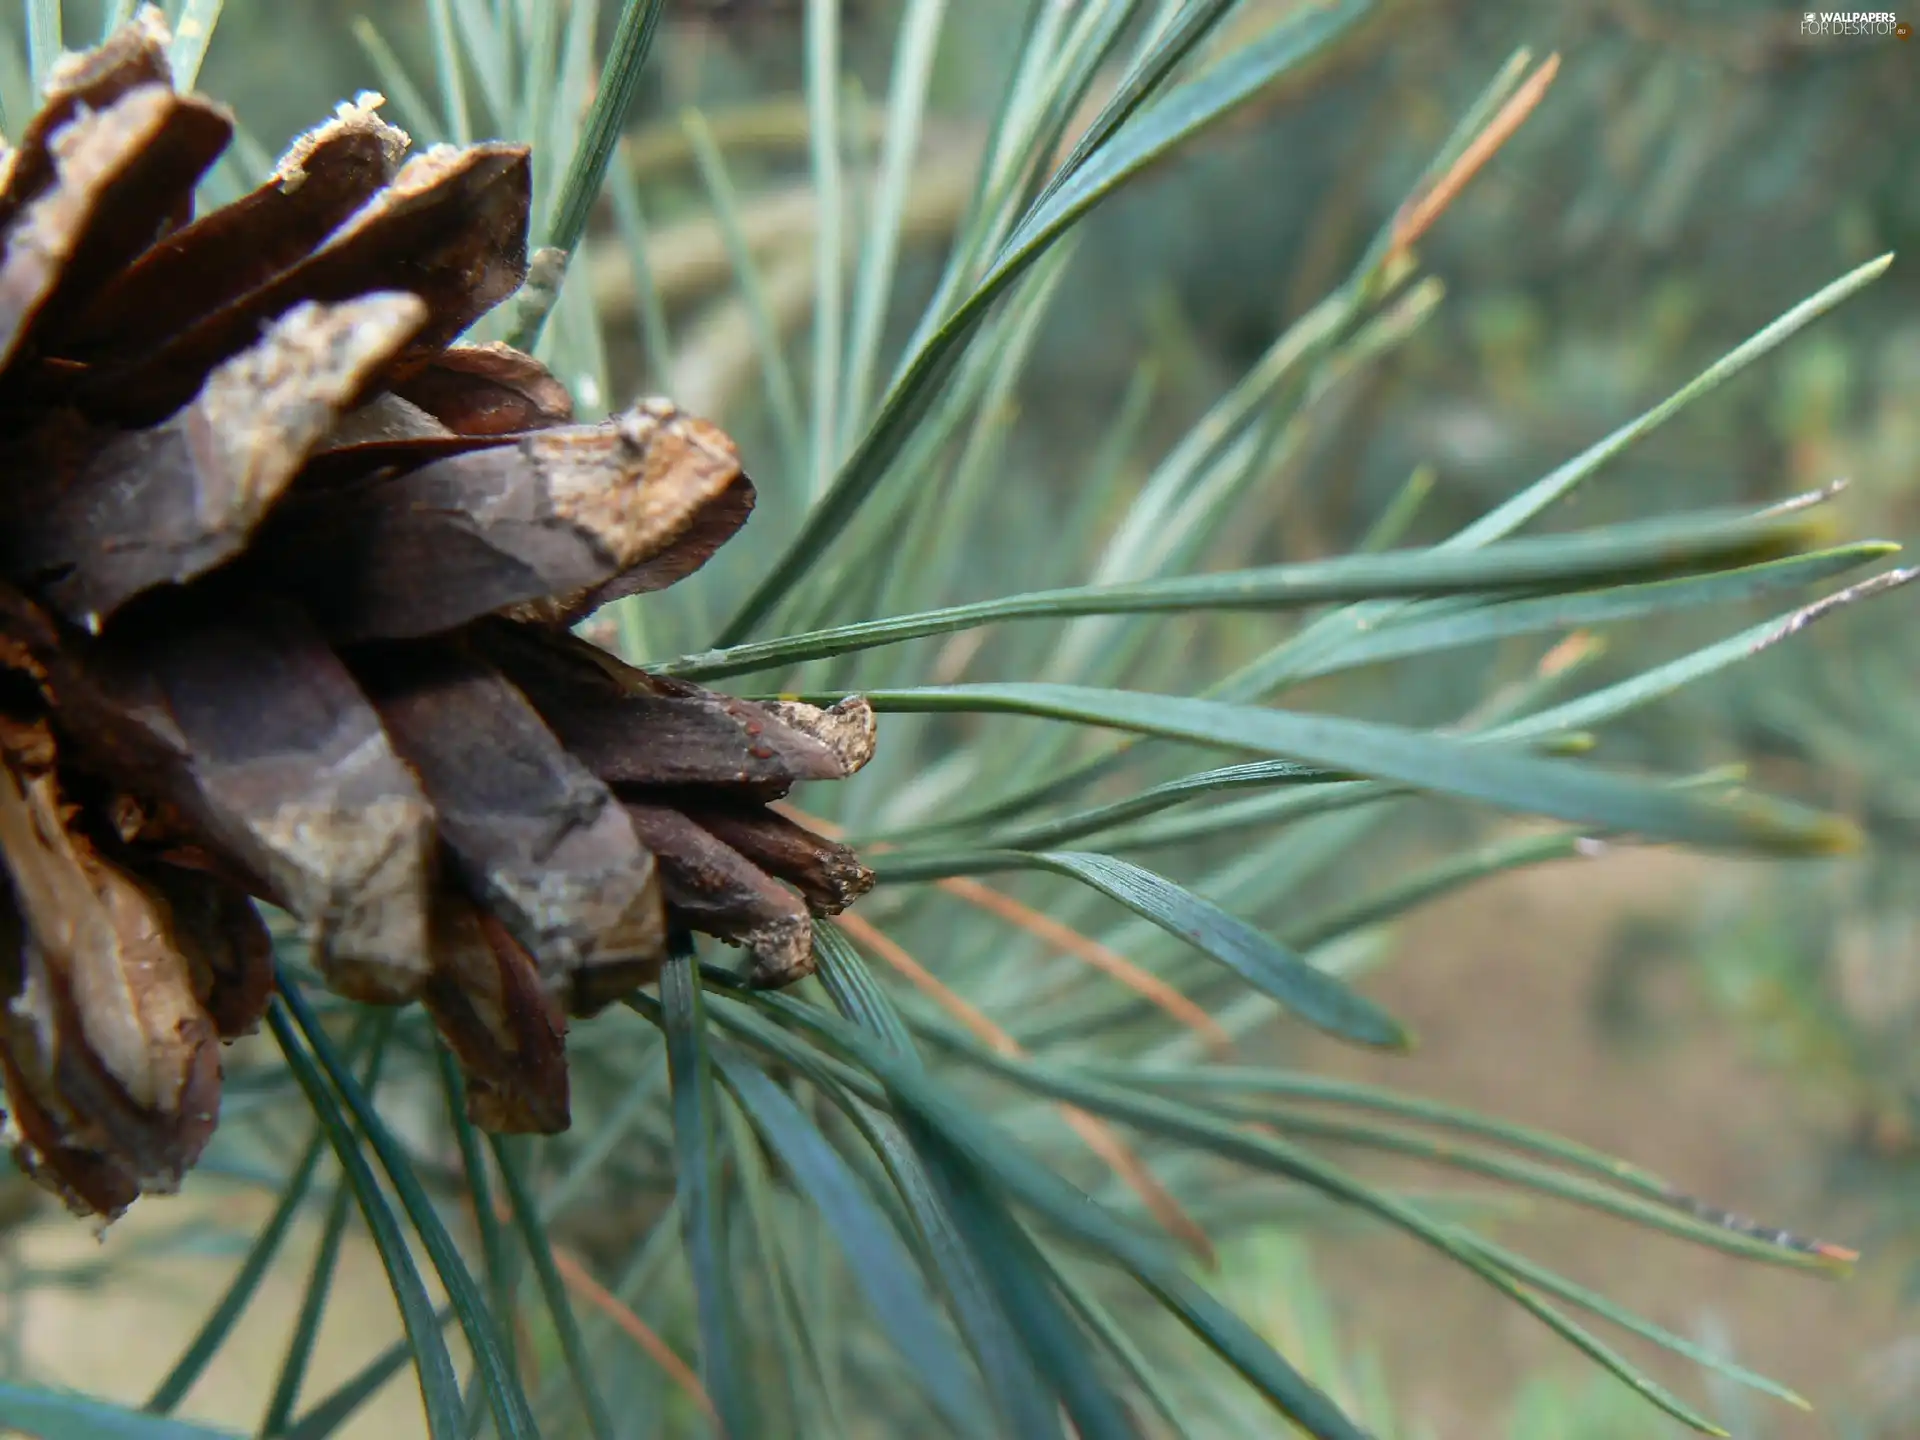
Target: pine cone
(286,577)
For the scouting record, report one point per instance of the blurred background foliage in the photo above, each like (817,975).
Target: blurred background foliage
(1696,169)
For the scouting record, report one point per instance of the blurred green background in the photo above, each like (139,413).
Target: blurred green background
(1695,169)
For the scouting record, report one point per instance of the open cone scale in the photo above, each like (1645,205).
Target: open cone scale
(285,581)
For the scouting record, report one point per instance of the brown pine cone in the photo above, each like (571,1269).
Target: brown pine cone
(286,577)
